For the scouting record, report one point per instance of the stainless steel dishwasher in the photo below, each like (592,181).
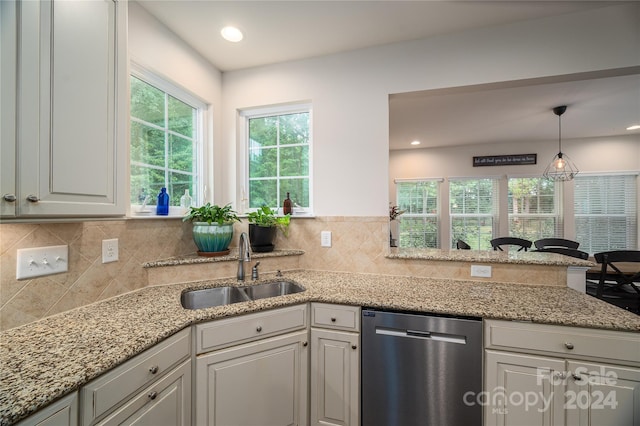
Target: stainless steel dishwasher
(420,370)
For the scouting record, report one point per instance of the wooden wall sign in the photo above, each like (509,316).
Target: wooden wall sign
(505,160)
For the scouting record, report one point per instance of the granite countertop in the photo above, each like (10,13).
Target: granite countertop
(489,256)
(47,359)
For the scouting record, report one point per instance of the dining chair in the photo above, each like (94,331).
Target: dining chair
(497,243)
(618,271)
(565,251)
(555,242)
(461,245)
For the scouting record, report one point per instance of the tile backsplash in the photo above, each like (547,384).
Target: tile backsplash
(89,280)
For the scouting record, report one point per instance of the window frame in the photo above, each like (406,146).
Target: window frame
(244,116)
(558,200)
(493,216)
(423,216)
(200,164)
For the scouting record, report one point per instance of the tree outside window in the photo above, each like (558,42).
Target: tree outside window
(473,209)
(419,226)
(164,138)
(279,148)
(533,209)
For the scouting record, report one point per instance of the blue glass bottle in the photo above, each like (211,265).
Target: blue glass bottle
(162,207)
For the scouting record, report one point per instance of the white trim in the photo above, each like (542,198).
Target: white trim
(410,180)
(620,173)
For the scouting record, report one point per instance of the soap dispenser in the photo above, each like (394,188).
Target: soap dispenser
(162,208)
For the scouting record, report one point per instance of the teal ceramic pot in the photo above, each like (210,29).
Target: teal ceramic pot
(212,238)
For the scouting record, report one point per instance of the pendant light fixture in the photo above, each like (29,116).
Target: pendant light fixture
(561,167)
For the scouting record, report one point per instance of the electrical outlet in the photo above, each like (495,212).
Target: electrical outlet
(110,250)
(483,271)
(39,261)
(325,238)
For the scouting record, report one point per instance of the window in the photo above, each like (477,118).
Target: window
(606,213)
(419,224)
(533,205)
(166,133)
(279,149)
(473,208)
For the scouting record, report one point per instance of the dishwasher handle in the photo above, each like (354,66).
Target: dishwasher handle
(426,335)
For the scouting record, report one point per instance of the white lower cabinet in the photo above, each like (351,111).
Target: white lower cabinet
(63,412)
(335,365)
(553,375)
(243,378)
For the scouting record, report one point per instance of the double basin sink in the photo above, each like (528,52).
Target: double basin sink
(220,296)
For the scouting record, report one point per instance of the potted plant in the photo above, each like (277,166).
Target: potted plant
(212,228)
(263,224)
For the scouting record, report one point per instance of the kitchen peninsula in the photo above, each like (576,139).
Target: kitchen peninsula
(48,359)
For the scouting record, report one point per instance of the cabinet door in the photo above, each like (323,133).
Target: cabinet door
(335,378)
(166,402)
(261,383)
(61,413)
(522,390)
(8,84)
(72,108)
(603,395)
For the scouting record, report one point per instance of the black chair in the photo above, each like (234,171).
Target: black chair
(555,242)
(461,245)
(616,277)
(497,243)
(566,251)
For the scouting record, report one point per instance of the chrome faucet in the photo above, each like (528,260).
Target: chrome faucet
(244,255)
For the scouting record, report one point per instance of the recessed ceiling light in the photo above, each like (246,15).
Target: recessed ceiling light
(415,143)
(634,127)
(231,34)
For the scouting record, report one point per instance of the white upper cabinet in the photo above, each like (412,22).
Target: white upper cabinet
(71,109)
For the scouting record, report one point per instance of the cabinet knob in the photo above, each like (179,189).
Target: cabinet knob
(576,377)
(305,344)
(10,198)
(33,198)
(259,328)
(354,346)
(568,345)
(153,369)
(153,395)
(560,376)
(333,319)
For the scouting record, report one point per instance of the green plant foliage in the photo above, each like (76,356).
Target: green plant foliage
(265,216)
(212,213)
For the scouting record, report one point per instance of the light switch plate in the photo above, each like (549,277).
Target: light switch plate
(40,261)
(325,238)
(110,250)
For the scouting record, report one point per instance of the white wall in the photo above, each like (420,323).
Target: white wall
(350,92)
(154,47)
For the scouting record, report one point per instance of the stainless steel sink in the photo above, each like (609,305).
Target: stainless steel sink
(220,296)
(280,288)
(210,297)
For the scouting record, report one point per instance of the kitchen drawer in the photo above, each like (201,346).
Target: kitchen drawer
(339,317)
(245,328)
(107,391)
(563,341)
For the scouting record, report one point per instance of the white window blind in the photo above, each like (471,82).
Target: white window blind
(606,212)
(419,225)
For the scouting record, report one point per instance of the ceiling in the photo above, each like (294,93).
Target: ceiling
(279,31)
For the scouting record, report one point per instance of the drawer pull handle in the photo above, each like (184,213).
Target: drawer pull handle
(153,369)
(354,346)
(153,395)
(259,328)
(333,319)
(305,344)
(568,345)
(33,198)
(10,198)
